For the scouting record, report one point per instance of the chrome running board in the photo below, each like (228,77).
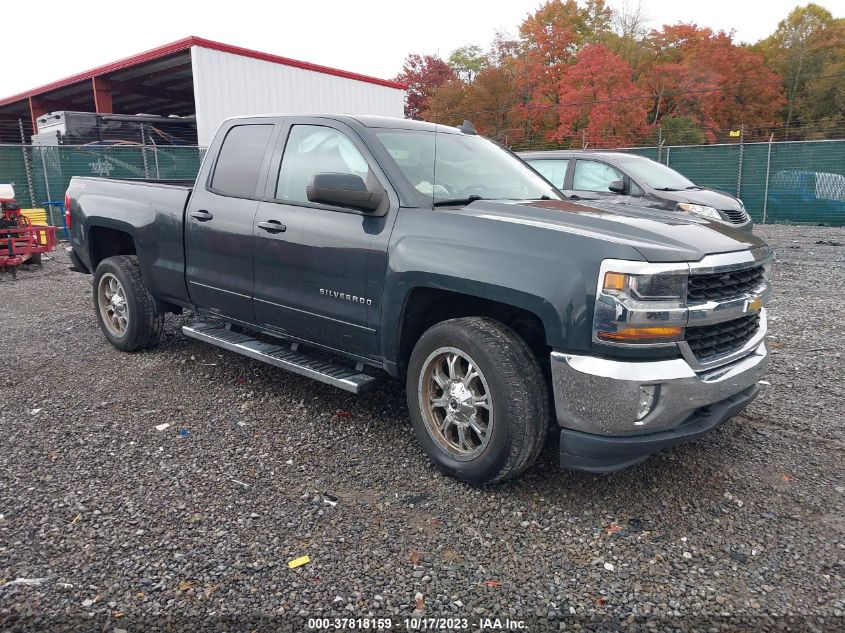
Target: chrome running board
(331,373)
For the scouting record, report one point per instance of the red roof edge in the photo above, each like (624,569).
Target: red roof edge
(184,44)
(286,61)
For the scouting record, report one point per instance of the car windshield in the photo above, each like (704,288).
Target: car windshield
(655,175)
(446,168)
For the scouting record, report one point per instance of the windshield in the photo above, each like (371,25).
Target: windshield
(445,167)
(655,175)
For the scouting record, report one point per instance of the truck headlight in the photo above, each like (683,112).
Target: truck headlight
(640,304)
(647,287)
(699,209)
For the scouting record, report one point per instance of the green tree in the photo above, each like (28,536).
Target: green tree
(629,38)
(681,130)
(799,50)
(467,62)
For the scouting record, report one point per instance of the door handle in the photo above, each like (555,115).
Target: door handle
(272,226)
(202,215)
(574,197)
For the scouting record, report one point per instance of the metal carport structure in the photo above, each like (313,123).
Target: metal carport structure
(211,80)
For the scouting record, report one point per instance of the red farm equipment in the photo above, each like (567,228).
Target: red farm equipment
(20,240)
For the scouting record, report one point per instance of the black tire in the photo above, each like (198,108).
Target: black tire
(35,258)
(144,323)
(517,388)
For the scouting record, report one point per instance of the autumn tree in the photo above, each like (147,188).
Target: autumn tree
(599,102)
(704,76)
(550,40)
(578,69)
(423,74)
(448,104)
(489,96)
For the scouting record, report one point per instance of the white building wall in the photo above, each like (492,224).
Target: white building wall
(227,85)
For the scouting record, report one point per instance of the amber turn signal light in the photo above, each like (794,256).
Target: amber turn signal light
(643,334)
(615,281)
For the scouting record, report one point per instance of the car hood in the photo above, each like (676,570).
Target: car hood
(708,197)
(658,235)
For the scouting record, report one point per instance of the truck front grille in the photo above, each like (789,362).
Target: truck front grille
(710,341)
(735,216)
(719,286)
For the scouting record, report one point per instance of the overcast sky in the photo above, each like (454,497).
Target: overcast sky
(43,44)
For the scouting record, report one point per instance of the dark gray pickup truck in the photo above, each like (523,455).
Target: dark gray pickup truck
(345,248)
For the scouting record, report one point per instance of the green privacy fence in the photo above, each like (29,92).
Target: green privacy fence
(783,182)
(40,174)
(801,182)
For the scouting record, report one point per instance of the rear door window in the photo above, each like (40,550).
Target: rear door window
(552,170)
(239,161)
(592,175)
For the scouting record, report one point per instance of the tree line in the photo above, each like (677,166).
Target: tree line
(585,75)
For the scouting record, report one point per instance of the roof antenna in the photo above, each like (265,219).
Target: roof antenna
(468,128)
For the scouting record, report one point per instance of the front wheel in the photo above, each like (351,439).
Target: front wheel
(477,399)
(125,309)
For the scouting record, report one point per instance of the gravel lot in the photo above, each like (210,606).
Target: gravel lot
(112,524)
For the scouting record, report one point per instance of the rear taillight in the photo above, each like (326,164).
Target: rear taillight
(67,209)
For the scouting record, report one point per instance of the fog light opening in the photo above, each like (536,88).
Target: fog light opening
(648,398)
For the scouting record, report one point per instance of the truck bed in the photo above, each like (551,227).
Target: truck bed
(152,211)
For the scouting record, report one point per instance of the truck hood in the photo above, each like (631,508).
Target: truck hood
(658,235)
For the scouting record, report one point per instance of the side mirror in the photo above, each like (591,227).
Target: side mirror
(616,186)
(343,190)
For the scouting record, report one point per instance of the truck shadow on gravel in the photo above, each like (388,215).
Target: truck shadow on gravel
(680,473)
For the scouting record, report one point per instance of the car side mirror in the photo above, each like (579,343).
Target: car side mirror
(617,186)
(343,190)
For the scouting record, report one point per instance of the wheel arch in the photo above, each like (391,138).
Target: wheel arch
(533,318)
(114,238)
(109,240)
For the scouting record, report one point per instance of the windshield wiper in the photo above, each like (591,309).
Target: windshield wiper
(666,189)
(694,187)
(454,202)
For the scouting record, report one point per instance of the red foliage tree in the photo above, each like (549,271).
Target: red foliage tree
(423,74)
(550,39)
(598,101)
(703,75)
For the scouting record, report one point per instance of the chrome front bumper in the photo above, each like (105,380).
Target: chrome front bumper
(600,396)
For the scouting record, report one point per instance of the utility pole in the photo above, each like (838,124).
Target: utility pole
(766,190)
(26,165)
(660,144)
(741,151)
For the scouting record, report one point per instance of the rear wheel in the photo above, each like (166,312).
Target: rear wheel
(477,399)
(125,309)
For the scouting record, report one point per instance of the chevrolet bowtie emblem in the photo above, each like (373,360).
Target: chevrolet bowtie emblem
(754,305)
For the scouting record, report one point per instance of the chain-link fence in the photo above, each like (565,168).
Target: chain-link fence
(42,174)
(794,182)
(785,182)
(780,182)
